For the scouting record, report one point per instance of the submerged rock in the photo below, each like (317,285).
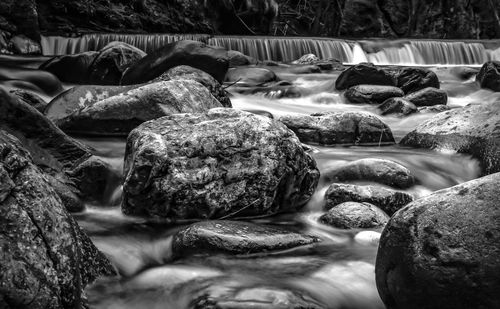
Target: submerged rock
(364,73)
(388,200)
(46,259)
(441,251)
(354,215)
(372,94)
(473,129)
(198,55)
(220,164)
(119,114)
(71,68)
(397,106)
(414,79)
(427,97)
(235,237)
(250,76)
(339,128)
(489,76)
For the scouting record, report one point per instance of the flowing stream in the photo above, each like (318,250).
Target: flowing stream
(336,273)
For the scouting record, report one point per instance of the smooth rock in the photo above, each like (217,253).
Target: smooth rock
(31,79)
(250,76)
(237,59)
(489,76)
(473,129)
(442,250)
(71,68)
(354,215)
(119,114)
(372,94)
(198,55)
(364,73)
(382,171)
(235,237)
(31,99)
(220,164)
(339,128)
(414,79)
(397,106)
(388,200)
(427,97)
(46,259)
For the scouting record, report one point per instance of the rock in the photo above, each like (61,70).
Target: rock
(388,200)
(441,251)
(304,69)
(47,144)
(364,73)
(235,237)
(46,259)
(79,97)
(31,99)
(433,109)
(354,215)
(382,171)
(223,163)
(186,72)
(427,97)
(31,79)
(489,76)
(237,59)
(473,129)
(198,55)
(464,73)
(271,90)
(66,192)
(71,68)
(372,94)
(414,79)
(307,59)
(398,106)
(250,76)
(112,60)
(339,128)
(22,45)
(119,114)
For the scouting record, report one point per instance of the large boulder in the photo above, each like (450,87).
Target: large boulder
(210,59)
(220,164)
(235,237)
(442,251)
(353,215)
(473,129)
(187,72)
(388,200)
(119,114)
(250,76)
(112,60)
(339,128)
(30,98)
(428,97)
(397,106)
(489,76)
(372,94)
(364,73)
(22,45)
(71,68)
(414,79)
(382,171)
(45,260)
(237,59)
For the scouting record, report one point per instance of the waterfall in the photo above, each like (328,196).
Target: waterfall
(383,52)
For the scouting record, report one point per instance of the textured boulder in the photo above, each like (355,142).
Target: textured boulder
(489,76)
(353,215)
(364,73)
(236,237)
(220,164)
(71,68)
(45,260)
(428,97)
(271,90)
(382,171)
(237,59)
(198,55)
(307,59)
(339,128)
(414,79)
(112,60)
(473,129)
(441,251)
(388,200)
(397,106)
(119,114)
(31,99)
(372,94)
(187,72)
(22,45)
(250,76)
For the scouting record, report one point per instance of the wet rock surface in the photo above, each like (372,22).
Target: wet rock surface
(441,251)
(220,164)
(71,68)
(397,106)
(339,128)
(388,200)
(364,73)
(31,99)
(354,215)
(489,76)
(414,79)
(372,94)
(250,76)
(427,97)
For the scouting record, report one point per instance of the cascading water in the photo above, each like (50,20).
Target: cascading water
(402,52)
